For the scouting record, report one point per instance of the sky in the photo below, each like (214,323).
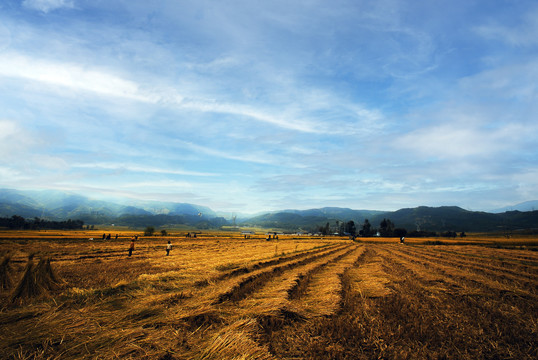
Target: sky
(251,105)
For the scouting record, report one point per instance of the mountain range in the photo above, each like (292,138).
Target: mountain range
(59,205)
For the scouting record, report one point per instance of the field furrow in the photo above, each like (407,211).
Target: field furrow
(318,292)
(492,280)
(261,298)
(483,299)
(250,283)
(469,260)
(264,264)
(486,312)
(393,307)
(274,295)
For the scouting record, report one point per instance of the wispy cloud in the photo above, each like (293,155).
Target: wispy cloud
(253,158)
(48,5)
(522,34)
(458,141)
(81,78)
(14,141)
(68,75)
(141,169)
(251,113)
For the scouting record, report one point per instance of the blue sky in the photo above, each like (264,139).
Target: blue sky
(248,106)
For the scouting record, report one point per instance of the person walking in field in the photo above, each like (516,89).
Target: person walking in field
(131,246)
(168,248)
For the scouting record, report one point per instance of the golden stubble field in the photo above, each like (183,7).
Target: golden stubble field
(221,296)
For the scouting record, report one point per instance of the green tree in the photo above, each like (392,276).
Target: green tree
(366,228)
(163,232)
(324,230)
(386,228)
(399,232)
(149,231)
(350,228)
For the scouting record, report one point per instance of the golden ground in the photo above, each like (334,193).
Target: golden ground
(221,296)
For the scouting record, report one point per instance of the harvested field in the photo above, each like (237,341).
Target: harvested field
(221,296)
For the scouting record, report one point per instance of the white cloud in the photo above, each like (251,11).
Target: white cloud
(140,168)
(259,158)
(69,75)
(460,140)
(49,162)
(48,5)
(517,81)
(247,111)
(9,175)
(170,185)
(7,130)
(525,33)
(82,78)
(14,141)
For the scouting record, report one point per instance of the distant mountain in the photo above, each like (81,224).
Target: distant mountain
(337,213)
(58,205)
(444,218)
(9,209)
(285,220)
(171,208)
(308,219)
(524,206)
(63,205)
(436,219)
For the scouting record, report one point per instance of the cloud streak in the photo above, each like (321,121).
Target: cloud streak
(141,169)
(48,5)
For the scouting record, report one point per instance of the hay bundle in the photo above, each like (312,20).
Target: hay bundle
(45,276)
(37,279)
(27,286)
(6,280)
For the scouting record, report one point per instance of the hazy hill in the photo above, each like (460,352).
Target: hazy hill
(308,219)
(57,205)
(171,208)
(9,209)
(444,218)
(438,219)
(288,220)
(337,213)
(524,206)
(62,205)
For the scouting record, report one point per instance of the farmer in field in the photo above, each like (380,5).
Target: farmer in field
(131,246)
(168,248)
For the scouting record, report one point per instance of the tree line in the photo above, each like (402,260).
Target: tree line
(19,223)
(386,229)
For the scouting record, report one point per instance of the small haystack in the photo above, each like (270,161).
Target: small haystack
(45,276)
(37,279)
(6,280)
(27,287)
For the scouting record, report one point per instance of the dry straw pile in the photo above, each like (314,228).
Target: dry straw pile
(37,280)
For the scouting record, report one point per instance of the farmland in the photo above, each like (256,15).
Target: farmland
(224,296)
